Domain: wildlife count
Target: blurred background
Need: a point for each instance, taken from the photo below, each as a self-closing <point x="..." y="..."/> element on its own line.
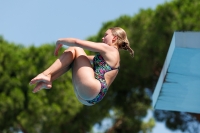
<point x="28" y="32"/>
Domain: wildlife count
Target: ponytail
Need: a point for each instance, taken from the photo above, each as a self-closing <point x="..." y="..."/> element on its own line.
<point x="122" y="40"/>
<point x="125" y="46"/>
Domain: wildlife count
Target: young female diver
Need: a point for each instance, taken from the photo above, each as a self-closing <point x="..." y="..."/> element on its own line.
<point x="90" y="83"/>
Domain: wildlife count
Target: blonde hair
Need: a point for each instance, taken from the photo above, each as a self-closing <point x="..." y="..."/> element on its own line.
<point x="122" y="40"/>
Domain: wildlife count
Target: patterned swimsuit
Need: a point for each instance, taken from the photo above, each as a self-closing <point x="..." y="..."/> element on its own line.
<point x="100" y="68"/>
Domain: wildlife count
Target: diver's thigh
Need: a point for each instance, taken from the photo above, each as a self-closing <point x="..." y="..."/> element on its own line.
<point x="81" y="65"/>
<point x="83" y="77"/>
<point x="81" y="99"/>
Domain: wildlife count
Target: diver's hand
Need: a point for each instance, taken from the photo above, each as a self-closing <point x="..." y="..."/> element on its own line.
<point x="58" y="46"/>
<point x="42" y="85"/>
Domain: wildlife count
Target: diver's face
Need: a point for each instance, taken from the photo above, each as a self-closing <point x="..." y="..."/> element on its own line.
<point x="108" y="37"/>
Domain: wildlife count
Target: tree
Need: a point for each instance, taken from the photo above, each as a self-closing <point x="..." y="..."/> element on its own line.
<point x="20" y="109"/>
<point x="129" y="97"/>
<point x="150" y="33"/>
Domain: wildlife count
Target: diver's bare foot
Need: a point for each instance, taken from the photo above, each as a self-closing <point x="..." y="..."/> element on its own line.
<point x="42" y="85"/>
<point x="41" y="78"/>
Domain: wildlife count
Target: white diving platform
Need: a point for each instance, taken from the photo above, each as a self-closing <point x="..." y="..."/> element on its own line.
<point x="178" y="87"/>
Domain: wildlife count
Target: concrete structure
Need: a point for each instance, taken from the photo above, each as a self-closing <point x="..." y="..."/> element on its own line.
<point x="178" y="87"/>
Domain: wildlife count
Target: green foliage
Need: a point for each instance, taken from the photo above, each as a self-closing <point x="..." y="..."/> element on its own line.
<point x="58" y="110"/>
<point x="46" y="111"/>
<point x="150" y="33"/>
<point x="147" y="126"/>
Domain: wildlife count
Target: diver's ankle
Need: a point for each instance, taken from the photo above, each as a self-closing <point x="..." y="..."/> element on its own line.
<point x="47" y="73"/>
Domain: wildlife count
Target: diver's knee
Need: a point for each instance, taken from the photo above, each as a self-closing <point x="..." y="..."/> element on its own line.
<point x="70" y="49"/>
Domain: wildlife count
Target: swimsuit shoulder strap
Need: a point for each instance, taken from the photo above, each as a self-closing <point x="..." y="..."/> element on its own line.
<point x="99" y="55"/>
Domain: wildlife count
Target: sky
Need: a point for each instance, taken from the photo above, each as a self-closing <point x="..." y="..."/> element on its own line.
<point x="43" y="21"/>
<point x="38" y="22"/>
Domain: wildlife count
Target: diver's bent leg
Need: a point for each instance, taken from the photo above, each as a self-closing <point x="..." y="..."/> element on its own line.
<point x="87" y="87"/>
<point x="48" y="85"/>
<point x="63" y="62"/>
<point x="59" y="73"/>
